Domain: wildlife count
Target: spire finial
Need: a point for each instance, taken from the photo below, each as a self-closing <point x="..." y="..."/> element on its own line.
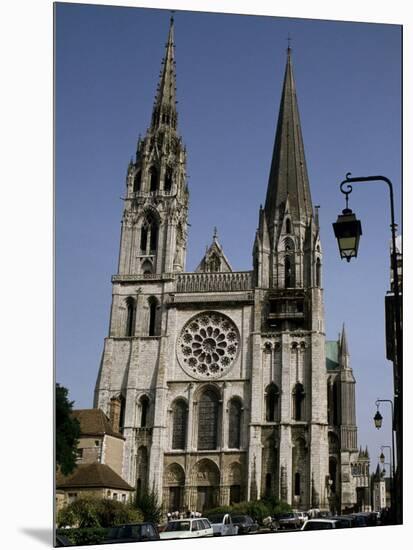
<point x="172" y="17"/>
<point x="215" y="235"/>
<point x="289" y="43"/>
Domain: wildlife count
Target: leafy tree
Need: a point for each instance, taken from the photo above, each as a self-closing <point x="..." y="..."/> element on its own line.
<point x="93" y="512"/>
<point x="67" y="432"/>
<point x="148" y="503"/>
<point x="276" y="506"/>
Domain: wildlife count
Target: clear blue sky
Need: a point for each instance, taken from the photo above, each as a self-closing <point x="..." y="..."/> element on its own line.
<point x="229" y="76"/>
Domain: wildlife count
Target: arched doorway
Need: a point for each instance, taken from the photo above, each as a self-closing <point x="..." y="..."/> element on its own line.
<point x="174" y="481"/>
<point x="206" y="478"/>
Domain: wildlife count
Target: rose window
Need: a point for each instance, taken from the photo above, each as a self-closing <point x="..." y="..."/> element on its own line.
<point x="208" y="345"/>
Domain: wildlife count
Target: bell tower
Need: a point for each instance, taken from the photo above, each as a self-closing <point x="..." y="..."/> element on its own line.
<point x="289" y="320"/>
<point x="154" y="224"/>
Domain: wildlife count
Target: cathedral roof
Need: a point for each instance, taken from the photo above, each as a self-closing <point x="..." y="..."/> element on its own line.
<point x="94" y="475"/>
<point x="288" y="175"/>
<point x="94" y="422"/>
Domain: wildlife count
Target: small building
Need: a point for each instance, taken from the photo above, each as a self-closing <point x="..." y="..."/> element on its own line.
<point x="99" y="460"/>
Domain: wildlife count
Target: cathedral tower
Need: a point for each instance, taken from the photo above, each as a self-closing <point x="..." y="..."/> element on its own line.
<point x="289" y="322"/>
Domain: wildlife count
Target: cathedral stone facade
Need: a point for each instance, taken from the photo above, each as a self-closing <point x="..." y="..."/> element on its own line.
<point x="218" y="379"/>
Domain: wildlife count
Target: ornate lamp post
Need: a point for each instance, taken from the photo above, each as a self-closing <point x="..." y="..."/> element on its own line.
<point x="347" y="230"/>
<point x="378" y="421"/>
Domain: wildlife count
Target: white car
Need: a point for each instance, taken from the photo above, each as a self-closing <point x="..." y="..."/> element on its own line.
<point x="187" y="528"/>
<point x="319" y="523"/>
<point x="222" y="525"/>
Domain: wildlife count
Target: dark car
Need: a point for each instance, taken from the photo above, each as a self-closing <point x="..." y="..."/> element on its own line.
<point x="343" y="522"/>
<point x="62" y="540"/>
<point x="359" y="520"/>
<point x="132" y="532"/>
<point x="245" y="524"/>
<point x="289" y="520"/>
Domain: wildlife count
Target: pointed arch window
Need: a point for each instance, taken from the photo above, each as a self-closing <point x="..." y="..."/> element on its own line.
<point x="288" y="226"/>
<point x="272" y="403"/>
<point x="318" y="273"/>
<point x="130" y="317"/>
<point x="214" y="263"/>
<point x="234" y="431"/>
<point x="288" y="272"/>
<point x="137" y="181"/>
<point x="144" y="406"/>
<point x="153" y="179"/>
<point x="335" y="403"/>
<point x="168" y="181"/>
<point x="208" y="410"/>
<point x="179" y="424"/>
<point x="268" y="485"/>
<point x="153" y="309"/>
<point x="297" y="484"/>
<point x="149" y="235"/>
<point x="298" y="398"/>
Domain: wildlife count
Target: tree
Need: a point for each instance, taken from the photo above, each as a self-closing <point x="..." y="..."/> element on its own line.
<point x="148" y="503"/>
<point x="67" y="432"/>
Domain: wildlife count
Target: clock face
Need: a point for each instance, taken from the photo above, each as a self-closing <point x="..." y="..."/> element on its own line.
<point x="208" y="345"/>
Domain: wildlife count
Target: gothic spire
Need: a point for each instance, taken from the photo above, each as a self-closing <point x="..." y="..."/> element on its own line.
<point x="288" y="175"/>
<point x="343" y="343"/>
<point x="164" y="110"/>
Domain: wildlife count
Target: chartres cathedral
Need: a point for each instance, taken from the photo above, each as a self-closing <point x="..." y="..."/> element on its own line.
<point x="222" y="381"/>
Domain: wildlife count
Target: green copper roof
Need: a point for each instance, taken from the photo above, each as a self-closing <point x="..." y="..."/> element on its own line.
<point x="332" y="355"/>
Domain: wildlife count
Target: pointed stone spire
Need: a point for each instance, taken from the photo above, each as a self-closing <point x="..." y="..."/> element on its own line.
<point x="288" y="175"/>
<point x="164" y="110"/>
<point x="343" y="343"/>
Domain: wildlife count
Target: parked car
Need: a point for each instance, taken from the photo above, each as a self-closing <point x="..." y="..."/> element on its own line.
<point x="302" y="516"/>
<point x="245" y="524"/>
<point x="359" y="520"/>
<point x="319" y="523"/>
<point x="343" y="522"/>
<point x="187" y="528"/>
<point x="222" y="525"/>
<point x="61" y="541"/>
<point x="133" y="532"/>
<point x="288" y="520"/>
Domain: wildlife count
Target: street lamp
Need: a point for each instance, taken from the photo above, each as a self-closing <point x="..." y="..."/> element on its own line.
<point x="378" y="421"/>
<point x="347" y="230"/>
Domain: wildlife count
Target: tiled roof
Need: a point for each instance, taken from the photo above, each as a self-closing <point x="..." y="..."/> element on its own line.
<point x="95" y="422"/>
<point x="98" y="476"/>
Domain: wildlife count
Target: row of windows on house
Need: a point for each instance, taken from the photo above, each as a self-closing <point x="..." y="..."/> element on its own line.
<point x="154" y="180"/>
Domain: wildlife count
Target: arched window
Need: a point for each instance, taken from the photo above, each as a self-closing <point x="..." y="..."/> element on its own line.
<point x="298" y="397"/>
<point x="179" y="421"/>
<point x="137" y="182"/>
<point x="271" y="404"/>
<point x="297" y="484"/>
<point x="335" y="404"/>
<point x="149" y="235"/>
<point x="168" y="181"/>
<point x="288" y="226"/>
<point x="214" y="263"/>
<point x="153" y="179"/>
<point x="144" y="405"/>
<point x="268" y="485"/>
<point x="130" y="317"/>
<point x="318" y="273"/>
<point x="288" y="272"/>
<point x="234" y="435"/>
<point x="208" y="409"/>
<point x="153" y="307"/>
<point x="144" y="238"/>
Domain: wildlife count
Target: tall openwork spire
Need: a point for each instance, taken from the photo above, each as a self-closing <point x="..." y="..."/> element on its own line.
<point x="164" y="110"/>
<point x="288" y="175"/>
